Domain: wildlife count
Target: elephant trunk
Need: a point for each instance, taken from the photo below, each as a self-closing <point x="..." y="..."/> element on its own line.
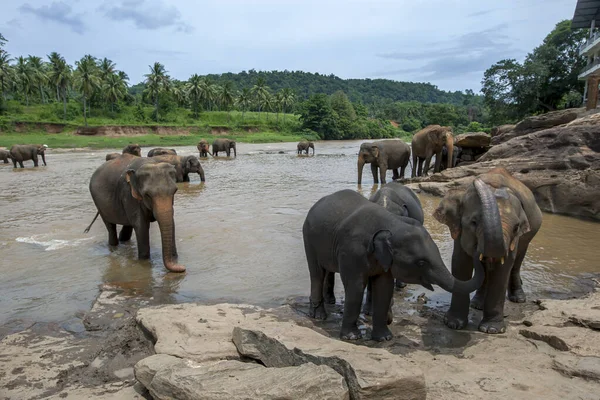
<point x="234" y="151"/>
<point x="450" y="147"/>
<point x="201" y="173"/>
<point x="444" y="279"/>
<point x="492" y="244"/>
<point x="361" y="164"/>
<point x="163" y="212"/>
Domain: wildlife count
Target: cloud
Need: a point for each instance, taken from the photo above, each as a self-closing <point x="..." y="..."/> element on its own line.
<point x="147" y="14"/>
<point x="480" y="13"/>
<point x="58" y="12"/>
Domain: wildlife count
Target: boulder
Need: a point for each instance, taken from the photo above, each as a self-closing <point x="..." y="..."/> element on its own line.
<point x="472" y="139"/>
<point x="499" y="130"/>
<point x="583" y="367"/>
<point x="548" y="120"/>
<point x="148" y="367"/>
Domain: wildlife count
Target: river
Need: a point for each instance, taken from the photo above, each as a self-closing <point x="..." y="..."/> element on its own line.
<point x="239" y="234"/>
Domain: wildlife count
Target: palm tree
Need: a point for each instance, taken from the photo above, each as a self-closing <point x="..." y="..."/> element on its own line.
<point x="114" y="89"/>
<point x="124" y="77"/>
<point x="243" y="100"/>
<point x="54" y="59"/>
<point x="193" y="88"/>
<point x="24" y="77"/>
<point x="39" y="74"/>
<point x="6" y="72"/>
<point x="260" y="91"/>
<point x="157" y="82"/>
<point x="86" y="80"/>
<point x="266" y="103"/>
<point x="288" y="98"/>
<point x="107" y="69"/>
<point x="60" y="76"/>
<point x="207" y="92"/>
<point x="179" y="94"/>
<point x="226" y="97"/>
<point x="278" y="103"/>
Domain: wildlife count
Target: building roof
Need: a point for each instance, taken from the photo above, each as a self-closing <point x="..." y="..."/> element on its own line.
<point x="585" y="12"/>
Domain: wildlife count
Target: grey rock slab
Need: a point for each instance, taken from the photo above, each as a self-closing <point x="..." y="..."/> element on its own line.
<point x="583" y="367"/>
<point x="146" y="369"/>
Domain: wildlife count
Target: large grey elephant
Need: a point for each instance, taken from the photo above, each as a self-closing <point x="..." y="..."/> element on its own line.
<point x="346" y="233"/>
<point x="428" y="142"/>
<point x="304" y="145"/>
<point x="224" y="145"/>
<point x="184" y="166"/>
<point x="493" y="220"/>
<point x="5" y="156"/>
<point x="24" y="152"/>
<point x="161" y="151"/>
<point x="384" y="155"/>
<point x="133" y="192"/>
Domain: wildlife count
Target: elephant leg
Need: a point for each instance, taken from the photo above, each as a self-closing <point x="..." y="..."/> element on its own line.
<point x="382" y="172"/>
<point x="415" y="159"/>
<point x="354" y="288"/>
<point x="426" y="167"/>
<point x="420" y="168"/>
<point x="402" y="172"/>
<point x="478" y="300"/>
<point x="142" y="234"/>
<point x="328" y="294"/>
<point x="383" y="287"/>
<point x="515" y="284"/>
<point x="495" y="295"/>
<point x="21" y="164"/>
<point x="395" y="174"/>
<point x="368" y="306"/>
<point x="125" y="234"/>
<point x="457" y="316"/>
<point x="438" y="162"/>
<point x="317" y="277"/>
<point x="113" y="240"/>
<point x="14" y="163"/>
<point x="35" y="160"/>
<point x="374" y="171"/>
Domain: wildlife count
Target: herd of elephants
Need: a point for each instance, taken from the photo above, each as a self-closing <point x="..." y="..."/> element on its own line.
<point x="377" y="243"/>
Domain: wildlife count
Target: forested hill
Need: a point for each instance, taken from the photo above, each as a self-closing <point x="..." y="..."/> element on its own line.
<point x="367" y="91"/>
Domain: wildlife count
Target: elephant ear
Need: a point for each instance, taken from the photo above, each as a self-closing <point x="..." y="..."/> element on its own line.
<point x="188" y="163"/>
<point x="129" y="174"/>
<point x="375" y="151"/>
<point x="524" y="227"/>
<point x="381" y="247"/>
<point x="449" y="212"/>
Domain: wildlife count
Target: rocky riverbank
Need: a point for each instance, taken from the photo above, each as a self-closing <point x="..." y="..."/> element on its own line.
<point x="551" y="350"/>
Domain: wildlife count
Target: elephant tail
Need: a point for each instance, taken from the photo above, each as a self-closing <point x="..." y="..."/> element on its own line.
<point x="90" y="225"/>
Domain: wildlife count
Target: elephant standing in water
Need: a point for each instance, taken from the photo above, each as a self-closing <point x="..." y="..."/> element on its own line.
<point x="346" y="233"/>
<point x="428" y="142"/>
<point x="493" y="220"/>
<point x="133" y="149"/>
<point x="133" y="192"/>
<point x="184" y="166"/>
<point x="203" y="148"/>
<point x="304" y="145"/>
<point x="384" y="154"/>
<point x="160" y="151"/>
<point x="5" y="156"/>
<point x="224" y="145"/>
<point x="24" y="152"/>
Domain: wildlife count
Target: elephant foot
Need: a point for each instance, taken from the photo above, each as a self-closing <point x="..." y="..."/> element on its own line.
<point x="399" y="284"/>
<point x="317" y="310"/>
<point x="492" y="327"/>
<point x="516" y="295"/>
<point x="453" y="322"/>
<point x="477" y="301"/>
<point x="382" y="335"/>
<point x="329" y="298"/>
<point x="350" y="334"/>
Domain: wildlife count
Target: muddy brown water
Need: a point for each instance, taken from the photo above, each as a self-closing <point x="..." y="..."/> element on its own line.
<point x="239" y="234"/>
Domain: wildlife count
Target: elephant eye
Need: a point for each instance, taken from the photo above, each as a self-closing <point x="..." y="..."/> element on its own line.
<point x="516" y="229"/>
<point x="421" y="263"/>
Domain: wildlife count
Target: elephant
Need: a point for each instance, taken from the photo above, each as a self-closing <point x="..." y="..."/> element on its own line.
<point x="112" y="156"/>
<point x="133" y="192"/>
<point x="224" y="145"/>
<point x="5" y="156"/>
<point x="184" y="166"/>
<point x="203" y="148"/>
<point x="160" y="151"/>
<point x="134" y="149"/>
<point x="24" y="152"/>
<point x="304" y="145"/>
<point x="384" y="154"/>
<point x="493" y="220"/>
<point x="346" y="233"/>
<point x="429" y="142"/>
<point x="457" y="151"/>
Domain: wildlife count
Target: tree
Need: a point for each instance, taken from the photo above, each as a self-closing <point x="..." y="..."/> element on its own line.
<point x="157" y="82"/>
<point x="38" y="71"/>
<point x="226" y="97"/>
<point x="60" y="77"/>
<point x="260" y="91"/>
<point x="6" y="71"/>
<point x="106" y="69"/>
<point x="244" y="100"/>
<point x="114" y="89"/>
<point x="194" y="92"/>
<point x="86" y="80"/>
<point x="288" y="99"/>
<point x="317" y="115"/>
<point x="24" y="77"/>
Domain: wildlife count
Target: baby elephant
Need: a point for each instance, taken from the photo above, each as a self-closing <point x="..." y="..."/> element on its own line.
<point x="24" y="152"/>
<point x="346" y="233"/>
<point x="160" y="151"/>
<point x="133" y="149"/>
<point x="184" y="166"/>
<point x="304" y="145"/>
<point x="5" y="156"/>
<point x="203" y="148"/>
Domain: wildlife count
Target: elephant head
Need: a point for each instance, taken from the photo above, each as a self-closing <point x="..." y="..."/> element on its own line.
<point x="153" y="184"/>
<point x="191" y="165"/>
<point x="419" y="260"/>
<point x="203" y="146"/>
<point x="232" y="146"/>
<point x="488" y="221"/>
<point x="41" y="149"/>
<point x="368" y="153"/>
<point x="134" y="149"/>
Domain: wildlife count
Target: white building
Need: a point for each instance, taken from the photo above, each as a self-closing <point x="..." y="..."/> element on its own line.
<point x="587" y="15"/>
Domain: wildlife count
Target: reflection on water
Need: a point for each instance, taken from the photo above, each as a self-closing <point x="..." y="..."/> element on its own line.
<point x="239" y="234"/>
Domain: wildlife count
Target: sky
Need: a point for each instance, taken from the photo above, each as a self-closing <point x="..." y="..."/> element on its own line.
<point x="448" y="43"/>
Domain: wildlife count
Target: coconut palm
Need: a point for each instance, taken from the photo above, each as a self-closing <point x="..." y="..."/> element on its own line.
<point x="207" y="92"/>
<point x="193" y="88"/>
<point x="86" y="80"/>
<point x="24" y="77"/>
<point x="124" y="77"/>
<point x="6" y="72"/>
<point x="266" y="103"/>
<point x="54" y="60"/>
<point x="288" y="98"/>
<point x="114" y="89"/>
<point x="157" y="82"/>
<point x="106" y="69"/>
<point x="226" y="97"/>
<point x="60" y="76"/>
<point x="278" y="103"/>
<point x="260" y="92"/>
<point x="39" y="74"/>
<point x="244" y="100"/>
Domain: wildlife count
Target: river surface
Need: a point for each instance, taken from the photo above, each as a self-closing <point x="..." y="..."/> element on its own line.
<point x="239" y="234"/>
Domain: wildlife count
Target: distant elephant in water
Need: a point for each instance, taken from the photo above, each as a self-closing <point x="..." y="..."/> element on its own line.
<point x="134" y="149"/>
<point x="24" y="152"/>
<point x="429" y="142"/>
<point x="133" y="192"/>
<point x="184" y="166"/>
<point x="384" y="155"/>
<point x="304" y="145"/>
<point x="203" y="148"/>
<point x="160" y="151"/>
<point x="112" y="156"/>
<point x="224" y="145"/>
<point x="5" y="156"/>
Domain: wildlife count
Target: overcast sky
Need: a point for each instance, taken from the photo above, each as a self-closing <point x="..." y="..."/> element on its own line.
<point x="446" y="42"/>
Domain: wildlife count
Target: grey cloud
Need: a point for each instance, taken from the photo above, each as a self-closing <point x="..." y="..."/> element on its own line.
<point x="149" y="15"/>
<point x="14" y="23"/>
<point x="58" y="12"/>
<point x="480" y="13"/>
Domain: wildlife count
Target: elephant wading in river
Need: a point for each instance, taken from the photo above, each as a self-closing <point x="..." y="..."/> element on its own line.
<point x="493" y="220"/>
<point x="203" y="148"/>
<point x="224" y="145"/>
<point x="160" y="151"/>
<point x="24" y="152"/>
<point x="133" y="192"/>
<point x="384" y="154"/>
<point x="5" y="156"/>
<point x="346" y="233"/>
<point x="429" y="142"/>
<point x="133" y="149"/>
<point x="184" y="166"/>
<point x="304" y="145"/>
